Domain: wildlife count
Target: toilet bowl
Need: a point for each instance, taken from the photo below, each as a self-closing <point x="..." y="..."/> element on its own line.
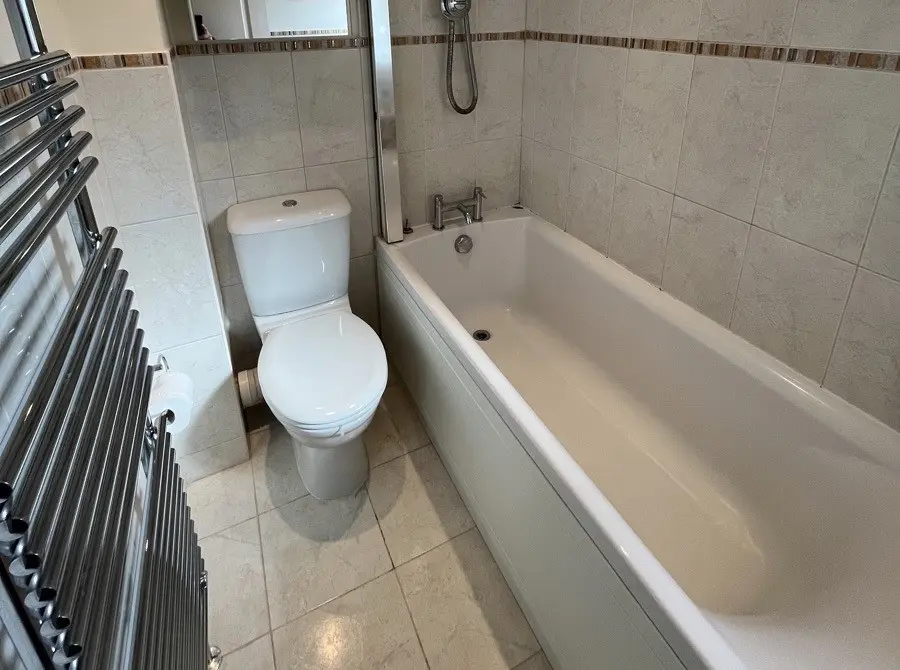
<point x="322" y="370"/>
<point x="323" y="377"/>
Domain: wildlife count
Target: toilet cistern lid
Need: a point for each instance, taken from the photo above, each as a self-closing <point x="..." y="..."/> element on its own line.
<point x="322" y="370"/>
<point x="287" y="212"/>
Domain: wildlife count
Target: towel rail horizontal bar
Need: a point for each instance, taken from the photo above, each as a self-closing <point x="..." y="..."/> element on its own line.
<point x="59" y="460"/>
<point x="23" y="70"/>
<point x="97" y="443"/>
<point x="26" y="245"/>
<point x="30" y="193"/>
<point x="27" y="108"/>
<point x="21" y="154"/>
<point x="55" y="364"/>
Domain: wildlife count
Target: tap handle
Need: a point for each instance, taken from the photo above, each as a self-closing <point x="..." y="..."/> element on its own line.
<point x="479" y="197"/>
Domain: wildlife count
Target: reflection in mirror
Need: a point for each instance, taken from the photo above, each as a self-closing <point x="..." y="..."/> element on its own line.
<point x="258" y="19"/>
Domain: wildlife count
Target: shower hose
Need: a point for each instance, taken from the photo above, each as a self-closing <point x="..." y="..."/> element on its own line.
<point x="473" y="80"/>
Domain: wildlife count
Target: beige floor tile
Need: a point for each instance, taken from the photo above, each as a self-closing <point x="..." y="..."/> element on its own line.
<point x="405" y="417"/>
<point x="417" y="504"/>
<point x="222" y="500"/>
<point x="255" y="656"/>
<point x="463" y="610"/>
<point x="275" y="474"/>
<point x="536" y="662"/>
<point x="366" y="629"/>
<point x="315" y="551"/>
<point x="237" y="596"/>
<point x="382" y="439"/>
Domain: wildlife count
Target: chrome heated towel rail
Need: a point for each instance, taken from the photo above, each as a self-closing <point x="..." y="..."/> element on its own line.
<point x="100" y="562"/>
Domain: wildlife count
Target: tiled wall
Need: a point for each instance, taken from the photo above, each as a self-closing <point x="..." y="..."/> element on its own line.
<point x="144" y="188"/>
<point x="764" y="193"/>
<point x="440" y="150"/>
<point x="268" y="124"/>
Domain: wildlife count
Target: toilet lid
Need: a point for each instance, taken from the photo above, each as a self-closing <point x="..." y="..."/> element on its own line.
<point x="323" y="370"/>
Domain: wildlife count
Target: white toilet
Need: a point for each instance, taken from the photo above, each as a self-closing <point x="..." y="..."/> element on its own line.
<point x="322" y="370"/>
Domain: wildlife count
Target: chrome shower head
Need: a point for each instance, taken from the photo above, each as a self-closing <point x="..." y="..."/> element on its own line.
<point x="455" y="9"/>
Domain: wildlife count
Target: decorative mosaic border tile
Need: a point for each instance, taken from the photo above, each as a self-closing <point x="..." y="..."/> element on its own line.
<point x="317" y="43"/>
<point x="866" y="60"/>
<point x="117" y="61"/>
<point x="412" y="40"/>
<point x="269" y="46"/>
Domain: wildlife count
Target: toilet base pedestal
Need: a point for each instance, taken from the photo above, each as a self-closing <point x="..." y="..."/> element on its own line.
<point x="333" y="472"/>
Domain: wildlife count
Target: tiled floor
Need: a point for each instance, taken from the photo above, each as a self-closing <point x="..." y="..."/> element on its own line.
<point x="397" y="578"/>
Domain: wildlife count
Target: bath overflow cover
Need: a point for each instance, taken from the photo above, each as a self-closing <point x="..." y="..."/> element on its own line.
<point x="289" y="203"/>
<point x="482" y="335"/>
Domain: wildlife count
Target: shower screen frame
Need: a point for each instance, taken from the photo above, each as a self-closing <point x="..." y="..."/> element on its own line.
<point x="387" y="156"/>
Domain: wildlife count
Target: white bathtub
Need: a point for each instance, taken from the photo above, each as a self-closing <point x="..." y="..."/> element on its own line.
<point x="657" y="491"/>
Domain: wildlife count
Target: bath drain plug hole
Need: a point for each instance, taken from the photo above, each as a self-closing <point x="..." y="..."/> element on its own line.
<point x="482" y="335"/>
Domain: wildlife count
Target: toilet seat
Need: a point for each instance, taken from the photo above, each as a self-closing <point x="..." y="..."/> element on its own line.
<point x="324" y="375"/>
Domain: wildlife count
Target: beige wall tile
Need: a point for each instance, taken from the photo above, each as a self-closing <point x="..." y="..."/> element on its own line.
<point x="872" y="25"/>
<point x="591" y="190"/>
<point x="703" y="259"/>
<point x="141" y="143"/>
<point x="599" y="86"/>
<point x="555" y="94"/>
<point x="882" y="250"/>
<point x="174" y="290"/>
<point x="759" y="22"/>
<point x="500" y="78"/>
<point x="789" y="301"/>
<point x="830" y="143"/>
<point x="270" y="184"/>
<point x="409" y="100"/>
<point x="261" y="137"/>
<point x="364" y="290"/>
<point x="669" y="19"/>
<point x="497" y="171"/>
<point x="499" y="15"/>
<point x="217" y="410"/>
<point x="529" y="88"/>
<point x="640" y="225"/>
<point x="330" y="103"/>
<point x="526" y="174"/>
<point x="406" y="17"/>
<point x="200" y="91"/>
<point x="243" y="338"/>
<point x="728" y="121"/>
<point x="550" y="184"/>
<point x="413" y="187"/>
<point x="606" y="17"/>
<point x="560" y="16"/>
<point x="216" y="197"/>
<point x="653" y="110"/>
<point x="864" y="365"/>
